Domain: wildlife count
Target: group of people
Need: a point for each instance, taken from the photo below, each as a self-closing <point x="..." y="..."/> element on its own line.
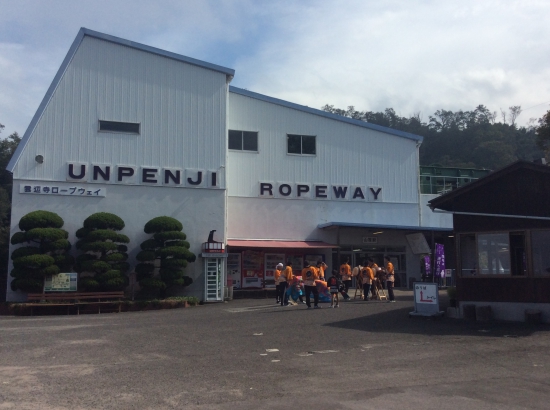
<point x="371" y="277"/>
<point x="291" y="288"/>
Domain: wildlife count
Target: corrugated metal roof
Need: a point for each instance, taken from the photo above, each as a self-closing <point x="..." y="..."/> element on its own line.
<point x="375" y="226"/>
<point x="68" y="58"/>
<point x="325" y="114"/>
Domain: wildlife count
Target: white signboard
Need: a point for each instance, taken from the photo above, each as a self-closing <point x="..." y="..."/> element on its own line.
<point x="418" y="243"/>
<point x="52" y="189"/>
<point x="62" y="282"/>
<point x="426" y="299"/>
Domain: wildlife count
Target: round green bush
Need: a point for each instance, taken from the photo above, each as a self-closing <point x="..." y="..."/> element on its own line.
<point x="82" y="232"/>
<point x="99" y="246"/>
<point x="169" y="236"/>
<point x="152" y="284"/>
<point x="104" y="220"/>
<point x="174" y="252"/>
<point x="46" y="234"/>
<point x="33" y="261"/>
<point x="25" y="251"/>
<point x="163" y="224"/>
<point x="64" y="261"/>
<point x="115" y="283"/>
<point x="169" y="275"/>
<point x="84" y="257"/>
<point x="95" y="265"/>
<point x="40" y="219"/>
<point x="145" y="256"/>
<point x="183" y="281"/>
<point x="122" y="266"/>
<point x="144" y="268"/>
<point x="18" y="237"/>
<point x="27" y="284"/>
<point x="59" y="245"/>
<point x="149" y="244"/>
<point x="99" y="235"/>
<point x="143" y="275"/>
<point x="106" y="276"/>
<point x="183" y="244"/>
<point x="173" y="263"/>
<point x="116" y="257"/>
<point x="49" y="270"/>
<point x="88" y="283"/>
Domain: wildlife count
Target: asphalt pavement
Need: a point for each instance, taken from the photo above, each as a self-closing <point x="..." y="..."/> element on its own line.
<point x="253" y="354"/>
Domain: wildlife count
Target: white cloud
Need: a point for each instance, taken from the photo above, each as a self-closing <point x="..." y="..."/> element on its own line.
<point x="412" y="56"/>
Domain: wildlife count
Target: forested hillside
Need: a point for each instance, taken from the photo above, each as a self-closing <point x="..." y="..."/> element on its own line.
<point x="7" y="148"/>
<point x="473" y="139"/>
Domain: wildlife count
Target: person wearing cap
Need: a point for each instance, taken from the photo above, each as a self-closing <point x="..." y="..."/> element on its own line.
<point x="277" y="275"/>
<point x="309" y="275"/>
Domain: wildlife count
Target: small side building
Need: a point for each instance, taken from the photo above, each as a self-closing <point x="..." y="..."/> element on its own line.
<point x="502" y="231"/>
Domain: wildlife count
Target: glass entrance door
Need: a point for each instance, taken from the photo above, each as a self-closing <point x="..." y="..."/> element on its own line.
<point x="214" y="279"/>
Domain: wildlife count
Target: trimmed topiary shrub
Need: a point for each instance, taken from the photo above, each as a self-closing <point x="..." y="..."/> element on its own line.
<point x="103" y="265"/>
<point x="163" y="257"/>
<point x="45" y="253"/>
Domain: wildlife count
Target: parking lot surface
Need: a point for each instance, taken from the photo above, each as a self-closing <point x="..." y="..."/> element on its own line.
<point x="253" y="354"/>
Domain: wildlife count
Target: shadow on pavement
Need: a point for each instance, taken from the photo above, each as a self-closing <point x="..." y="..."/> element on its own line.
<point x="398" y="321"/>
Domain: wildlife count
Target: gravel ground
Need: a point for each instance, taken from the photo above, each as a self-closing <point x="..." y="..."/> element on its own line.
<point x="252" y="354"/>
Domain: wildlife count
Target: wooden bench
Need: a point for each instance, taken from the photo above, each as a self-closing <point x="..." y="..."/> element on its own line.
<point x="77" y="299"/>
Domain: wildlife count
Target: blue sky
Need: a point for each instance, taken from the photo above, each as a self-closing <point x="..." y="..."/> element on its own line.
<point x="413" y="56"/>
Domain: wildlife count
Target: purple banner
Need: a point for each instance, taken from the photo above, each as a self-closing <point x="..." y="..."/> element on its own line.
<point x="439" y="260"/>
<point x="428" y="264"/>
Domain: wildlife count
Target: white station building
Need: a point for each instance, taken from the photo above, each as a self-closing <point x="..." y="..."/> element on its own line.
<point x="142" y="132"/>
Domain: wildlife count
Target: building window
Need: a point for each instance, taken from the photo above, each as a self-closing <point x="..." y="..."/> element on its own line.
<point x="243" y="140"/>
<point x="117" y="126"/>
<point x="468" y="261"/>
<point x="301" y="144"/>
<point x="540" y="244"/>
<point x="493" y="252"/>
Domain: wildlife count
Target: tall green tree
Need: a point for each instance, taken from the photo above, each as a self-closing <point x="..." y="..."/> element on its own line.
<point x="543" y="135"/>
<point x="465" y="139"/>
<point x="103" y="264"/>
<point x="164" y="257"/>
<point x="8" y="146"/>
<point x="44" y="253"/>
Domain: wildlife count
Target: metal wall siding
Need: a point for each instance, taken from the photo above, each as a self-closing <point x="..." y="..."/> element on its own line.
<point x="181" y="108"/>
<point x="346" y="154"/>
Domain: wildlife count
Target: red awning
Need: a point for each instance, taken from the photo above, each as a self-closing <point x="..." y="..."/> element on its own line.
<point x="243" y="243"/>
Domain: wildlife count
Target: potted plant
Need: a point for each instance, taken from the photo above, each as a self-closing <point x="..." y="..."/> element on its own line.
<point x="451" y="292"/>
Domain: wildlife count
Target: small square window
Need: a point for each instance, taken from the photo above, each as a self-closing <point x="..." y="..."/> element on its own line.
<point x="301" y="144"/>
<point x="118" y="126"/>
<point x="243" y="140"/>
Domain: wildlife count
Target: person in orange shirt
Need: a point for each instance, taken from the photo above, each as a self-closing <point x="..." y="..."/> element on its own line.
<point x="309" y="275"/>
<point x="367" y="276"/>
<point x="322" y="267"/>
<point x="390" y="278"/>
<point x="284" y="281"/>
<point x="345" y="274"/>
<point x="376" y="284"/>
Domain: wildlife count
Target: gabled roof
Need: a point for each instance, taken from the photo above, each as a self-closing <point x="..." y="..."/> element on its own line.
<point x="70" y="54"/>
<point x="325" y="114"/>
<point x="447" y="201"/>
